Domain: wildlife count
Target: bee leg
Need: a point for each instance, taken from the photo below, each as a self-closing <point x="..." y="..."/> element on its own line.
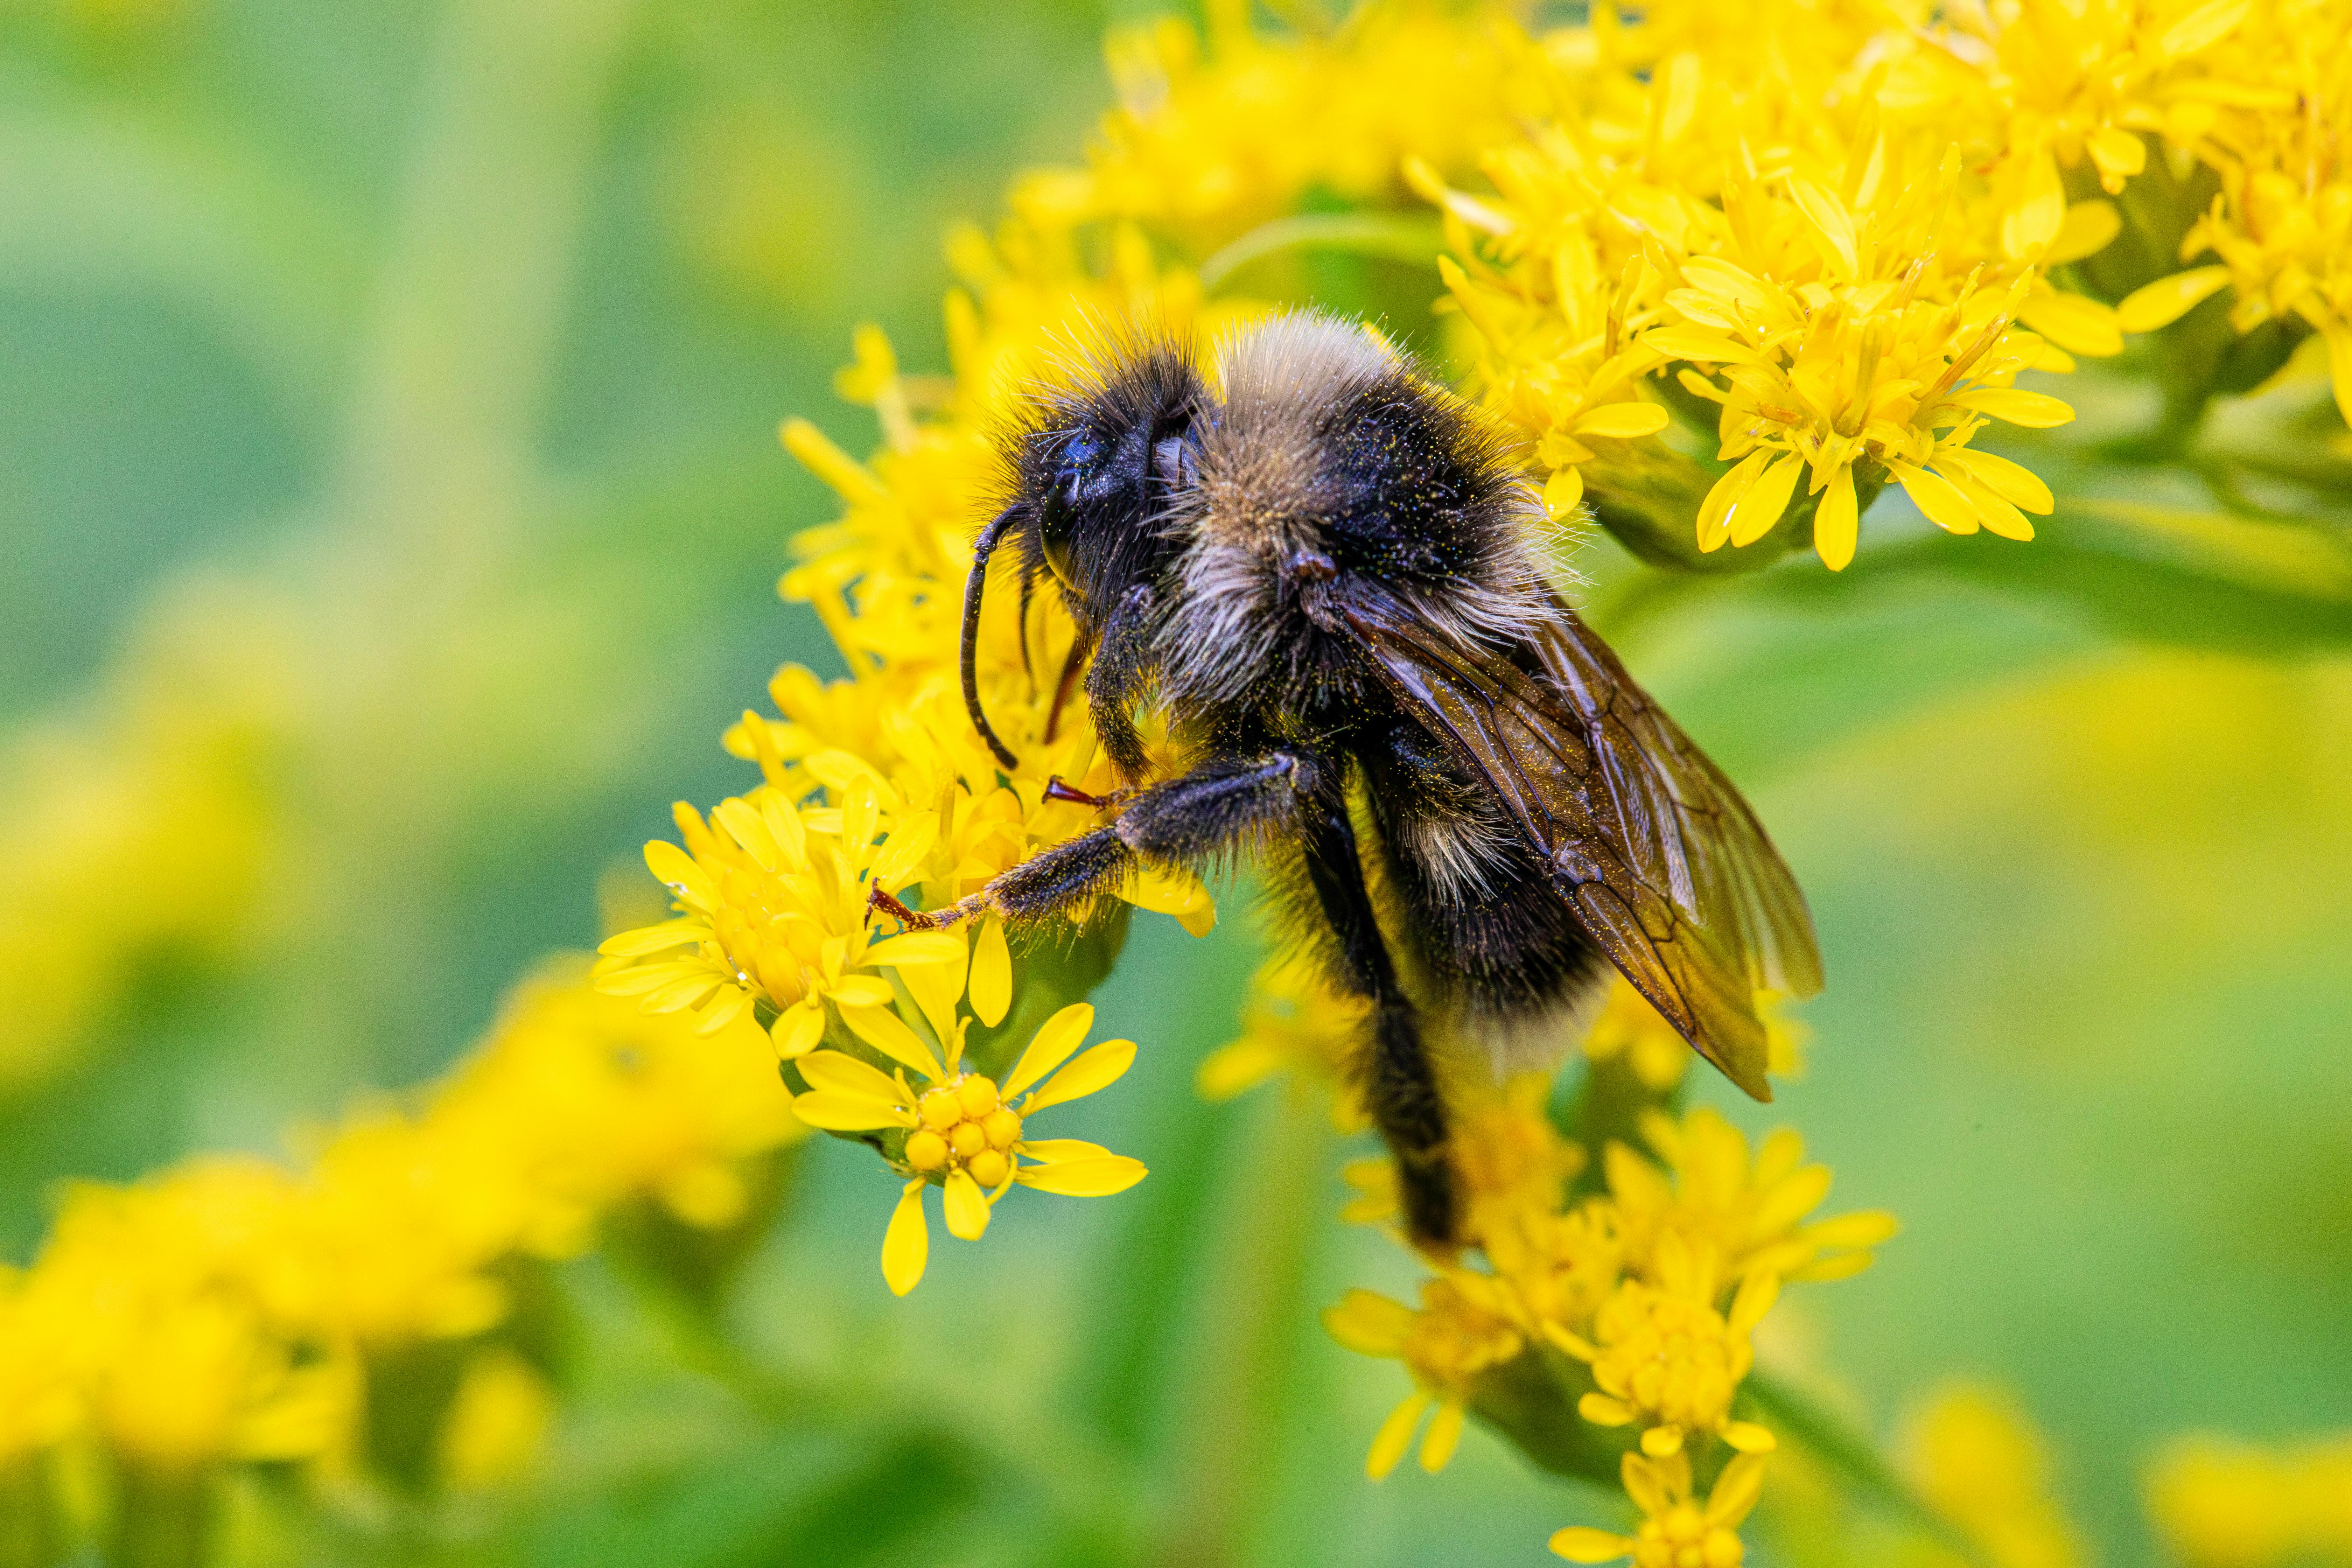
<point x="1399" y="1083"/>
<point x="1185" y="821"/>
<point x="1115" y="679"/>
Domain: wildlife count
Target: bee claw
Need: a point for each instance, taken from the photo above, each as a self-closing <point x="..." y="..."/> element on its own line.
<point x="914" y="920"/>
<point x="1056" y="790"/>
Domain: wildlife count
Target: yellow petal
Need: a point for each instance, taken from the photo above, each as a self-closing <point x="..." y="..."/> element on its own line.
<point x="1714" y="530"/>
<point x="936" y="987"/>
<point x="2019" y="486"/>
<point x="1932" y="494"/>
<point x="1698" y="343"/>
<point x="2165" y="300"/>
<point x="1050" y="1150"/>
<point x="1084" y="1178"/>
<point x="1830" y="220"/>
<point x="2029" y="227"/>
<point x="904" y="849"/>
<point x="2034" y="410"/>
<point x="907" y="1245"/>
<point x="848" y="478"/>
<point x="1098" y="1069"/>
<point x="1659" y="1442"/>
<point x="1578" y="1544"/>
<point x="2072" y="322"/>
<point x="2206" y="24"/>
<point x="1655" y="1485"/>
<point x="1603" y="1411"/>
<point x="748" y="828"/>
<point x="797" y="1029"/>
<point x="1176" y="892"/>
<point x="1996" y="514"/>
<point x="2339" y="365"/>
<point x="1395" y="1434"/>
<point x="2119" y="155"/>
<point x="846" y="1112"/>
<point x="967" y="1206"/>
<point x="2090" y="227"/>
<point x="1836" y="521"/>
<point x="887" y="1032"/>
<point x="1624" y="421"/>
<point x="1753" y="515"/>
<point x="782" y="820"/>
<point x="916" y="947"/>
<point x="1445" y="1437"/>
<point x="862" y="991"/>
<point x="1050" y="1046"/>
<point x="840" y="1073"/>
<point x="1563" y="493"/>
<point x="654" y="938"/>
<point x="1370" y="1323"/>
<point x="992" y="973"/>
<point x="1735" y="1492"/>
<point x="677" y="870"/>
<point x="1749" y="1438"/>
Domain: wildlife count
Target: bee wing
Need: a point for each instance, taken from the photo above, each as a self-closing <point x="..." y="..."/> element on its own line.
<point x="1661" y="860"/>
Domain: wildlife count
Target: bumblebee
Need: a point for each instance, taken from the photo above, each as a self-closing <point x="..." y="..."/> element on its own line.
<point x="1327" y="571"/>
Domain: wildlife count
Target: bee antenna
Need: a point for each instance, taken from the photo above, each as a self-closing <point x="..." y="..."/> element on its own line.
<point x="970" y="656"/>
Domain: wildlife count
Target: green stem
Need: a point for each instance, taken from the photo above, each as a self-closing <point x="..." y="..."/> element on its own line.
<point x="1856" y="1459"/>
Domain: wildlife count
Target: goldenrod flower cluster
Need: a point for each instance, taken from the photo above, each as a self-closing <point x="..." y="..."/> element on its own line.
<point x="1649" y="1283"/>
<point x="236" y="1308"/>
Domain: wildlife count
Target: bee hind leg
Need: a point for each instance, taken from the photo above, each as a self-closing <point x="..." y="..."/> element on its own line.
<point x="1399" y="1083"/>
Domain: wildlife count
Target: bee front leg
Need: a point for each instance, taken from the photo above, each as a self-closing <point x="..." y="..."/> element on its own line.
<point x="1117" y="677"/>
<point x="1219" y="806"/>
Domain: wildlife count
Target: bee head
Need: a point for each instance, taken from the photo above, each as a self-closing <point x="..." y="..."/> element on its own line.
<point x="1093" y="470"/>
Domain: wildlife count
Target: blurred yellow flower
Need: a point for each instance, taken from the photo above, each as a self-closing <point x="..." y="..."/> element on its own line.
<point x="1462" y="1328"/>
<point x="962" y="1131"/>
<point x="1292" y="1021"/>
<point x="1750" y="1210"/>
<point x="2222" y="1503"/>
<point x="1977" y="1460"/>
<point x="1676" y="1530"/>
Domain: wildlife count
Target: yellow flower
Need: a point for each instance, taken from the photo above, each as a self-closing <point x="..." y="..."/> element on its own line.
<point x="961" y="1132"/>
<point x="1675" y="1531"/>
<point x="1748" y="1209"/>
<point x="1629" y="1030"/>
<point x="1292" y="1021"/>
<point x="1977" y="1460"/>
<point x="1204" y="144"/>
<point x="604" y="1103"/>
<point x="185" y="1297"/>
<point x="2224" y="1503"/>
<point x="1561" y="1267"/>
<point x="777" y="914"/>
<point x="1666" y="1360"/>
<point x="1463" y="1329"/>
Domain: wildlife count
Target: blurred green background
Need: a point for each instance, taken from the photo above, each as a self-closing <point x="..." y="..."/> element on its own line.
<point x="443" y="343"/>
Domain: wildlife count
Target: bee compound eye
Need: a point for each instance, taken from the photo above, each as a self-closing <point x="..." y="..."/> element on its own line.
<point x="1054" y="522"/>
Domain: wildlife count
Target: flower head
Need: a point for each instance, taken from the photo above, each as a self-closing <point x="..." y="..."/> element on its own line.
<point x="1462" y="1328"/>
<point x="962" y="1131"/>
<point x="1666" y="1360"/>
<point x="1747" y="1208"/>
<point x="1675" y="1532"/>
